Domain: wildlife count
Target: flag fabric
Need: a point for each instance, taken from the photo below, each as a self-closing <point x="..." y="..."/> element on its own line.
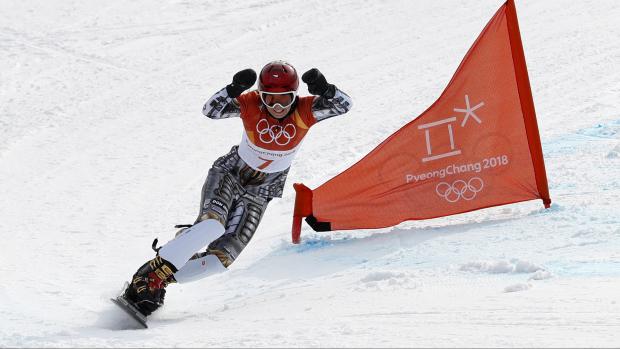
<point x="477" y="146"/>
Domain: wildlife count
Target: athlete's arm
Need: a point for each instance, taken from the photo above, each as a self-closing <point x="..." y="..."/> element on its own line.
<point x="224" y="103"/>
<point x="329" y="100"/>
<point x="221" y="106"/>
<point x="324" y="107"/>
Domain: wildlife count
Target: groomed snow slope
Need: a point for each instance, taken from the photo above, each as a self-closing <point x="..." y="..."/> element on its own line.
<point x="103" y="147"/>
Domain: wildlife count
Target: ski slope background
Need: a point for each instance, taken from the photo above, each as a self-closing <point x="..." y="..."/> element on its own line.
<point x="103" y="147"/>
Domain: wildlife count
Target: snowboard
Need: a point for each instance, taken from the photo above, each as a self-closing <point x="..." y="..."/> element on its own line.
<point x="130" y="309"/>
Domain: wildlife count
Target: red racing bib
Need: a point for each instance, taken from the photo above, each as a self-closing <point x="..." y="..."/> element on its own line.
<point x="268" y="144"/>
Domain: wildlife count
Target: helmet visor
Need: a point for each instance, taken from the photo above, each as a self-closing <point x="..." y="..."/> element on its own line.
<point x="284" y="99"/>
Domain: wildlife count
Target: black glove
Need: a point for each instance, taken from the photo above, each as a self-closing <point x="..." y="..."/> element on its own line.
<point x="317" y="84"/>
<point x="242" y="81"/>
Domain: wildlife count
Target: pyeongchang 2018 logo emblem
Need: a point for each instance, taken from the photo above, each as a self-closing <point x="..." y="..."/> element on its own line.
<point x="275" y="133"/>
<point x="460" y="189"/>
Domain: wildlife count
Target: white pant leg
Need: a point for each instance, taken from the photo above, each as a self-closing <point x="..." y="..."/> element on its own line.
<point x="180" y="249"/>
<point x="196" y="269"/>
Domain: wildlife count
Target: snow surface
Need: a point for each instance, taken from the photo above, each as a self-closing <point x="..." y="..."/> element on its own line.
<point x="103" y="147"/>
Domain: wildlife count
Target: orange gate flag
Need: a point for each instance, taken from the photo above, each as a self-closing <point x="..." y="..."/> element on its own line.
<point x="477" y="146"/>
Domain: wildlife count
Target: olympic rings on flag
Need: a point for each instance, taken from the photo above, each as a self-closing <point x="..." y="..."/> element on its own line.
<point x="460" y="189"/>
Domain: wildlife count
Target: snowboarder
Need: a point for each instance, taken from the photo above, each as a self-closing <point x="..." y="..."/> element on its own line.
<point x="241" y="183"/>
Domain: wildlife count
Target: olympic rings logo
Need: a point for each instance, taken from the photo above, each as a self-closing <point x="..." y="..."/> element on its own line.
<point x="275" y="133"/>
<point x="460" y="189"/>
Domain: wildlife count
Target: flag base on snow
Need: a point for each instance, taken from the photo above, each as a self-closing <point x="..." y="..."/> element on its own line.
<point x="477" y="146"/>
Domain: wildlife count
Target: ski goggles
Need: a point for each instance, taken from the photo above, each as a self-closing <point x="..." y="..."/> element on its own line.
<point x="283" y="99"/>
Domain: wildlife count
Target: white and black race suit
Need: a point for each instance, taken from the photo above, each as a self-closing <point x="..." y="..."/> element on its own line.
<point x="241" y="183"/>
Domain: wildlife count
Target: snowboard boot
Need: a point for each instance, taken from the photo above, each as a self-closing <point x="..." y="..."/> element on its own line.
<point x="148" y="286"/>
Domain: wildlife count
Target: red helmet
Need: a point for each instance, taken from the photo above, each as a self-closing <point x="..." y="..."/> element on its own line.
<point x="278" y="76"/>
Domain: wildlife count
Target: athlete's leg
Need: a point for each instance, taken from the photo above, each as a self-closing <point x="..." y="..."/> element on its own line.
<point x="218" y="194"/>
<point x="200" y="266"/>
<point x="242" y="224"/>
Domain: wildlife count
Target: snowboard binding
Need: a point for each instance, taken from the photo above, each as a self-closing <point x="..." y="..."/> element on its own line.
<point x="147" y="289"/>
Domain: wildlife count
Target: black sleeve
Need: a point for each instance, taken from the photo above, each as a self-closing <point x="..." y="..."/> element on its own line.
<point x="221" y="106"/>
<point x="325" y="108"/>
